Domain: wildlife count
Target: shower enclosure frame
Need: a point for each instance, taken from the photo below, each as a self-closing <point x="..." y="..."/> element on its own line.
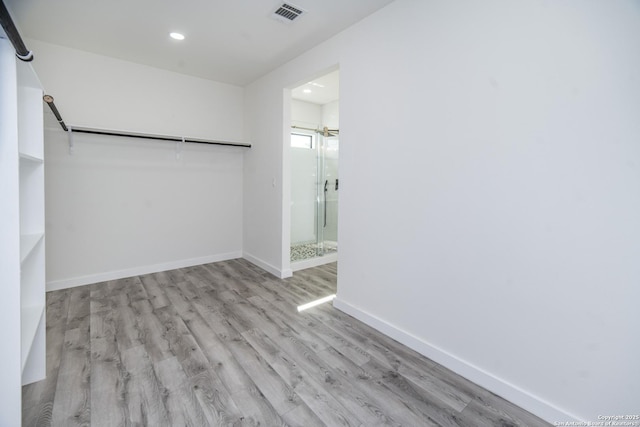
<point x="323" y="186"/>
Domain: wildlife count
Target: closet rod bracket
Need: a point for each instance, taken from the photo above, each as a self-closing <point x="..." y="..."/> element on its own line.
<point x="70" y="134"/>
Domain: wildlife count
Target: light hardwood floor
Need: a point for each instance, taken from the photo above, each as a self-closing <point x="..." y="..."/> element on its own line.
<point x="223" y="344"/>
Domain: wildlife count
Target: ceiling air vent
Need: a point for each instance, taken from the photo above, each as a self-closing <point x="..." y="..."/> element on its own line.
<point x="288" y="12"/>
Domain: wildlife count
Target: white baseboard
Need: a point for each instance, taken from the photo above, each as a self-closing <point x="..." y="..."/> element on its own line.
<point x="280" y="273"/>
<point x="72" y="282"/>
<point x="502" y="388"/>
<point x="314" y="262"/>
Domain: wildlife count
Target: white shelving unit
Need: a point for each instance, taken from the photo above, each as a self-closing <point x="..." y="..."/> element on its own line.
<point x="31" y="176"/>
<point x="22" y="246"/>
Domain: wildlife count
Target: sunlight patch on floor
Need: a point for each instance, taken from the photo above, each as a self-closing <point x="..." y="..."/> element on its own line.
<point x="316" y="302"/>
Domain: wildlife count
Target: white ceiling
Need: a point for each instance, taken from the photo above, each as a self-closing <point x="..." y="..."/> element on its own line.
<point x="233" y="41"/>
<point x="320" y="91"/>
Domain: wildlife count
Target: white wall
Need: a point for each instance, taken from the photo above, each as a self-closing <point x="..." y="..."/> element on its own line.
<point x="331" y="115"/>
<point x="266" y="182"/>
<point x="492" y="146"/>
<point x="97" y="91"/>
<point x="121" y="206"/>
<point x="306" y="114"/>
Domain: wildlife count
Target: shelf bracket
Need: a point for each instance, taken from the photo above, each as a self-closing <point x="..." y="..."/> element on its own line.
<point x="179" y="148"/>
<point x="70" y="134"/>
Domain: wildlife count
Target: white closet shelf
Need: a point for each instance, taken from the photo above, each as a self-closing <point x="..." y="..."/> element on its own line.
<point x="28" y="242"/>
<point x="30" y="317"/>
<point x="29" y="157"/>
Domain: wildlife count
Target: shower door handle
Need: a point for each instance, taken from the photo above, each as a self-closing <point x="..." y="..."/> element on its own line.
<point x="326" y="183"/>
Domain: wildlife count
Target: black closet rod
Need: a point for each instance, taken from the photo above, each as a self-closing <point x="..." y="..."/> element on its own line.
<point x="14" y="36"/>
<point x="49" y="100"/>
<point x="158" y="137"/>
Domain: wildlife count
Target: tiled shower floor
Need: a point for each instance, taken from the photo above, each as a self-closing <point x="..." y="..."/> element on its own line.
<point x="307" y="251"/>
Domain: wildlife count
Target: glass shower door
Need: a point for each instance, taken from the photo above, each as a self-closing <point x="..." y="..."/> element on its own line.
<point x="314" y="187"/>
<point x="321" y="195"/>
<point x="331" y="185"/>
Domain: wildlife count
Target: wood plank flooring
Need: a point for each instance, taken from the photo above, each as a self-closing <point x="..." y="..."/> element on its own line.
<point x="223" y="344"/>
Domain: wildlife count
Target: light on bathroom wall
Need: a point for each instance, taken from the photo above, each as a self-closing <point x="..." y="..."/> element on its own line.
<point x="176" y="36"/>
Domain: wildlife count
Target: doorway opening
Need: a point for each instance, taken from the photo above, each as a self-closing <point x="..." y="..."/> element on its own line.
<point x="315" y="184"/>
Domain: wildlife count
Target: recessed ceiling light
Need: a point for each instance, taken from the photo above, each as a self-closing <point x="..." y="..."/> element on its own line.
<point x="307" y="90"/>
<point x="176" y="36"/>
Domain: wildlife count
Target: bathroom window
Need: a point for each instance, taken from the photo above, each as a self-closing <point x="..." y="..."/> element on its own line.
<point x="301" y="140"/>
